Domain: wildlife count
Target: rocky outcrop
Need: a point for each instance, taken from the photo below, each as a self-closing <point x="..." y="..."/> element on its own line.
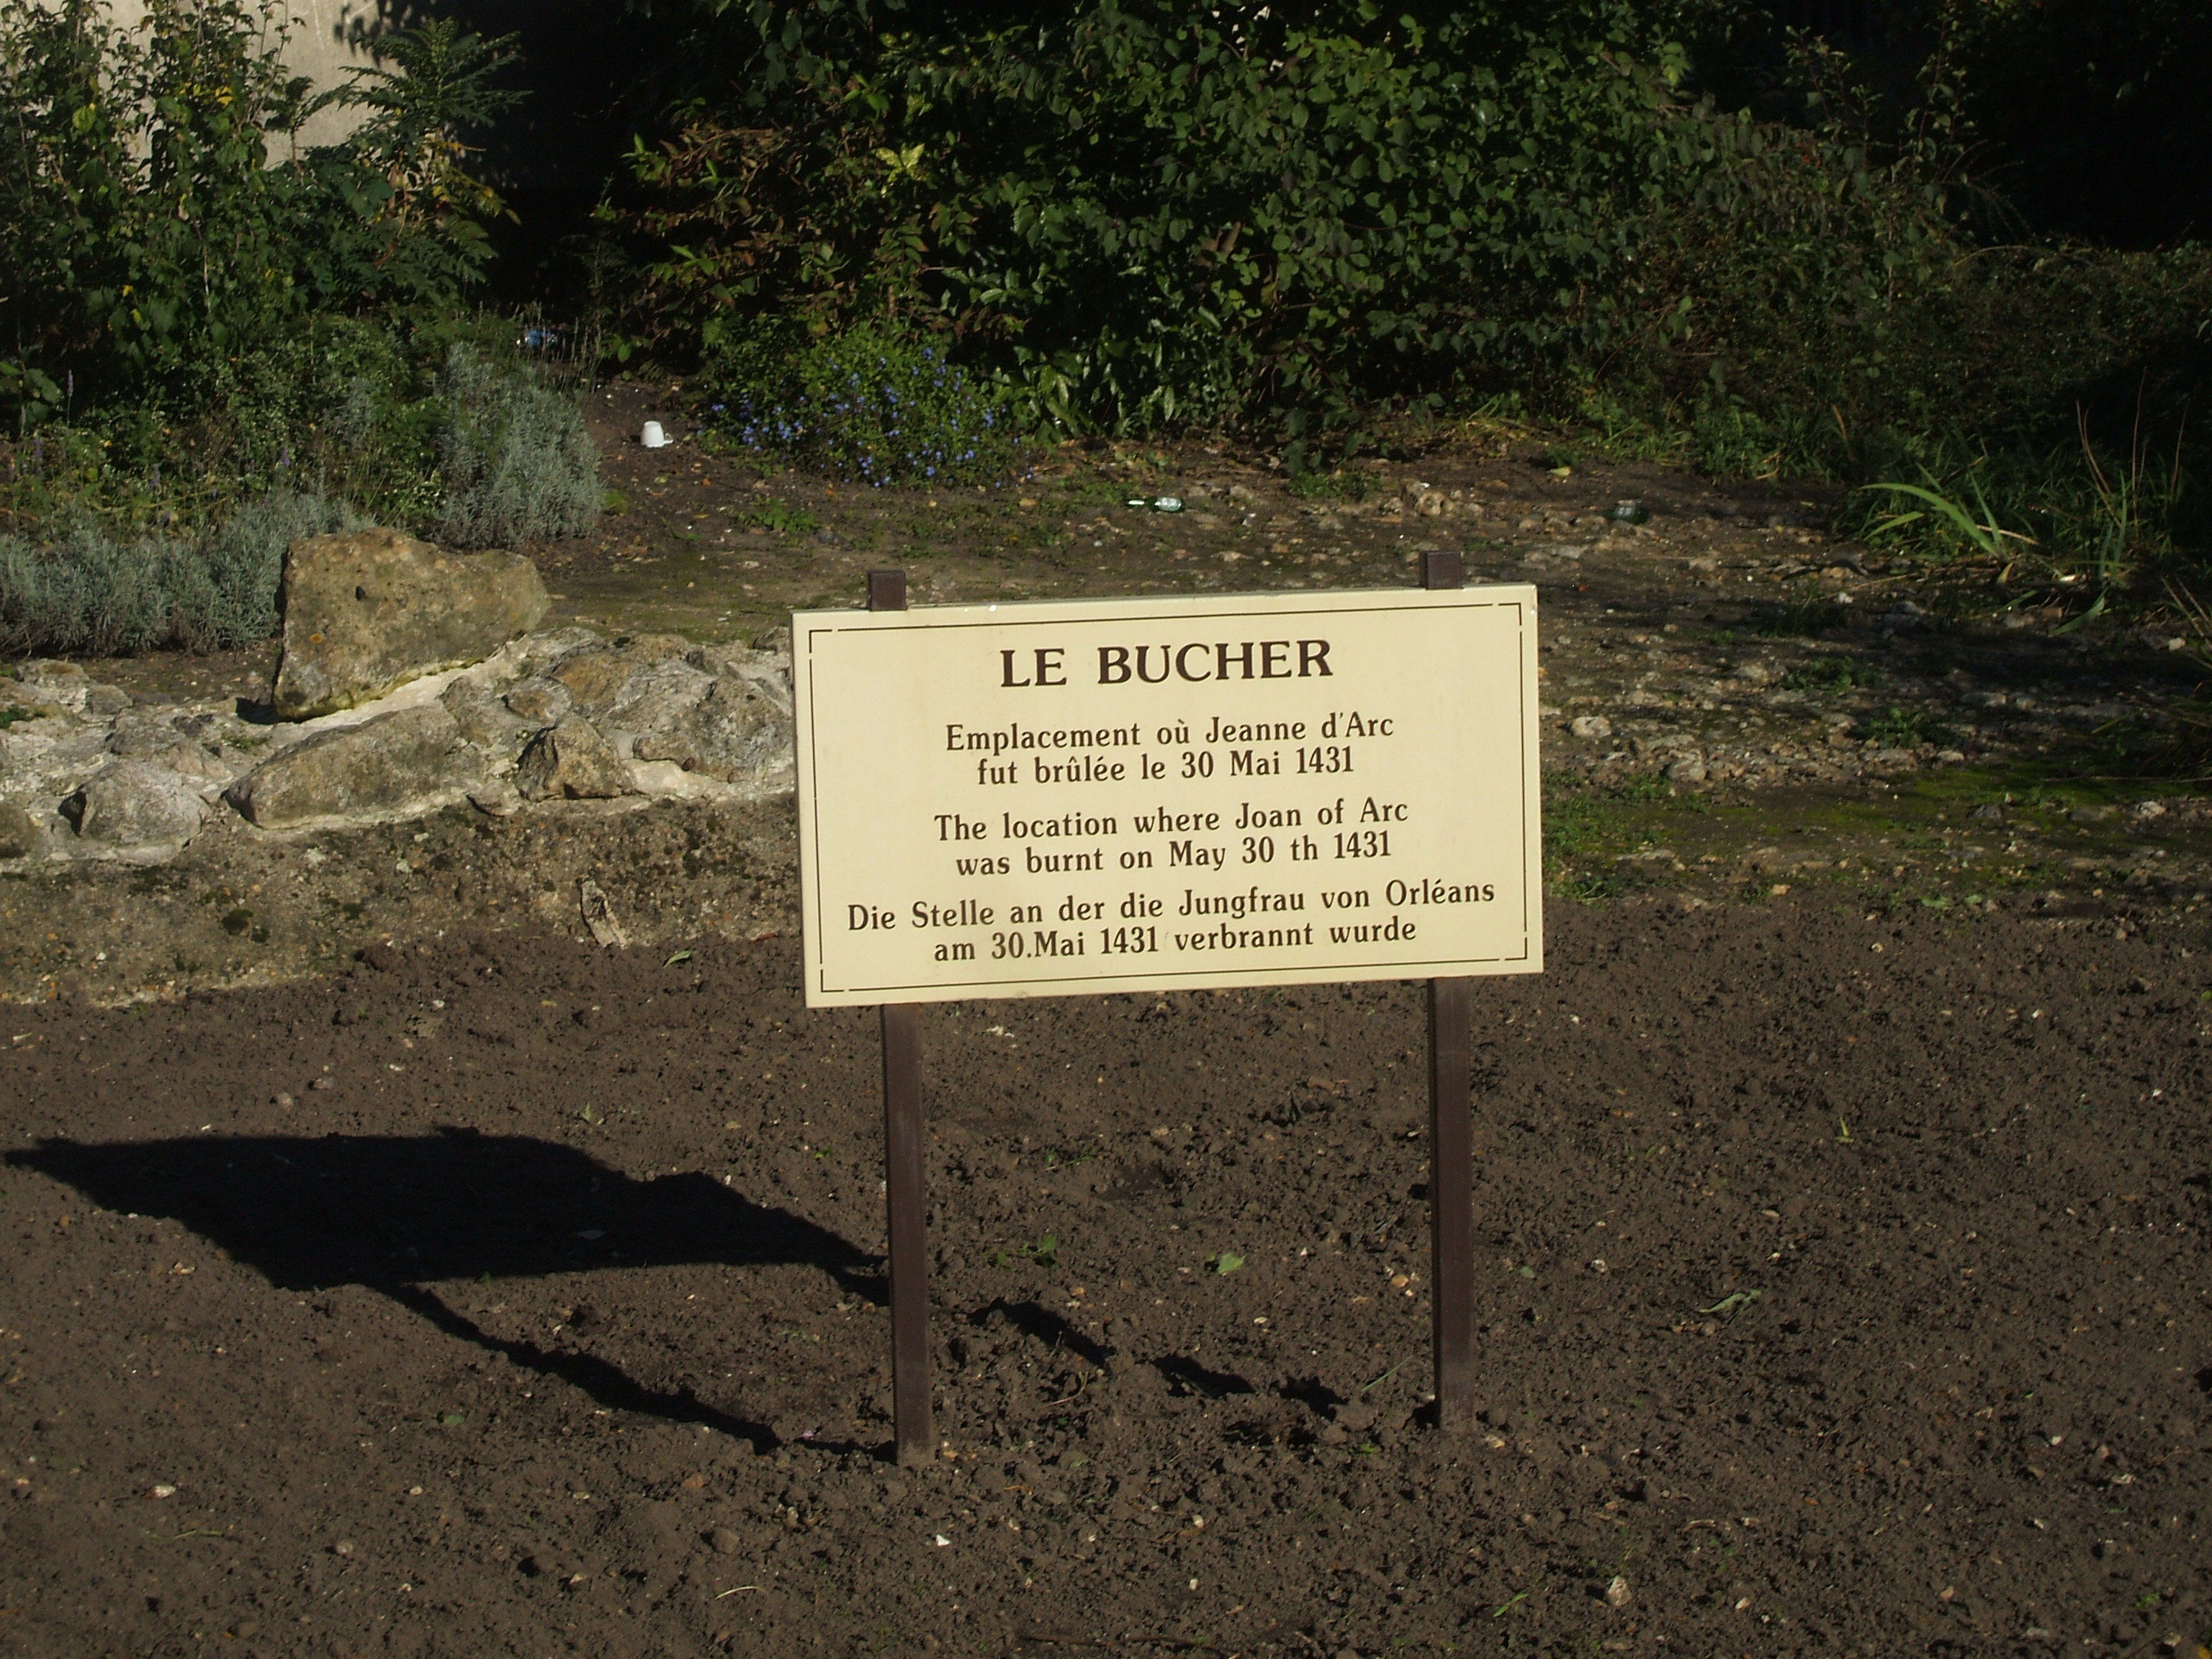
<point x="563" y="716"/>
<point x="368" y="611"/>
<point x="394" y="766"/>
<point x="134" y="804"/>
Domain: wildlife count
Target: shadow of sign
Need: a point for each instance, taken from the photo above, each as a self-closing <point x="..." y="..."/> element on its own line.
<point x="396" y="1215"/>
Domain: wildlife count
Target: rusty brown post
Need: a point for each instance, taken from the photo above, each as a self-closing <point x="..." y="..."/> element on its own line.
<point x="904" y="1196"/>
<point x="1451" y="1157"/>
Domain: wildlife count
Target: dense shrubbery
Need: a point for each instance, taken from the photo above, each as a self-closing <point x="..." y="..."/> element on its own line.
<point x="1138" y="214"/>
<point x="213" y="339"/>
<point x="156" y="218"/>
<point x="889" y="235"/>
<point x="1150" y="214"/>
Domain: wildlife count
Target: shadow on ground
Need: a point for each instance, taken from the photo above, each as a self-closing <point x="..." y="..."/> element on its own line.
<point x="398" y="1214"/>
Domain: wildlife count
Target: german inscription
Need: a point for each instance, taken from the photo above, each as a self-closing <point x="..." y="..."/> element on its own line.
<point x="1050" y="798"/>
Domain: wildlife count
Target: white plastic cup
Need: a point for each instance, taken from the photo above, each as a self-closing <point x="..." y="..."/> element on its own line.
<point x="653" y="437"/>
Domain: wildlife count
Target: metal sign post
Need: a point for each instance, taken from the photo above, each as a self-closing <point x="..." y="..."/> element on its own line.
<point x="903" y="1194"/>
<point x="1451" y="1160"/>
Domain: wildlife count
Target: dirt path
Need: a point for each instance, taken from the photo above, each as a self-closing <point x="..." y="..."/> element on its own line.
<point x="1843" y="1288"/>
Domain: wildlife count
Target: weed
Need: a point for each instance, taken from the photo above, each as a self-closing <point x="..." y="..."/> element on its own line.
<point x="1832" y="674"/>
<point x="1800" y="618"/>
<point x="1042" y="1253"/>
<point x="1945" y="515"/>
<point x="1734" y="1303"/>
<point x="1343" y="483"/>
<point x="1902" y="728"/>
<point x="784" y="519"/>
<point x="1227" y="1262"/>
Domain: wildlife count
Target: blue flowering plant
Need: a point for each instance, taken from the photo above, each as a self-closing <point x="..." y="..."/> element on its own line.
<point x="869" y="404"/>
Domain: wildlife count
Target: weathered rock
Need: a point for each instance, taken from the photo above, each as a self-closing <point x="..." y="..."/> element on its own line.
<point x="597" y="679"/>
<point x="572" y="761"/>
<point x="486" y="721"/>
<point x="46" y="683"/>
<point x="19" y="834"/>
<point x="397" y="765"/>
<point x="164" y="739"/>
<point x="541" y="653"/>
<point x="541" y="702"/>
<point x="368" y="611"/>
<point x="655" y="699"/>
<point x="1592" y="726"/>
<point x="134" y="803"/>
<point x="737" y="733"/>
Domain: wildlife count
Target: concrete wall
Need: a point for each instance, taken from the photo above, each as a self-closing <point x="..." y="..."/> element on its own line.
<point x="324" y="45"/>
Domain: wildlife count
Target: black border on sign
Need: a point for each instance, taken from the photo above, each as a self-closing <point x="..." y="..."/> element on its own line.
<point x="1422" y="969"/>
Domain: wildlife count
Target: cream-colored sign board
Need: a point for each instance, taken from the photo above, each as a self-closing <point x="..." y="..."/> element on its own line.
<point x="1047" y="798"/>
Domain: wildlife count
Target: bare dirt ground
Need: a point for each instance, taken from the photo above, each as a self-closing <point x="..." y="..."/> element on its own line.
<point x="396" y="1273"/>
<point x="1843" y="1289"/>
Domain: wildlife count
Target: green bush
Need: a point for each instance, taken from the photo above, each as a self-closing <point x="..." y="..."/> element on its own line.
<point x="157" y="220"/>
<point x="1137" y="215"/>
<point x="103" y="595"/>
<point x="865" y="404"/>
<point x="514" y="462"/>
<point x="1147" y="213"/>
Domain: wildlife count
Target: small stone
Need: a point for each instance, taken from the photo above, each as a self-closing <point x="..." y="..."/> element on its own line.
<point x="19" y="836"/>
<point x="540" y="702"/>
<point x="1617" y="1594"/>
<point x="344" y="1546"/>
<point x="571" y="760"/>
<point x="496" y="798"/>
<point x="132" y="804"/>
<point x="486" y="721"/>
<point x="1688" y="770"/>
<point x="1592" y="726"/>
<point x="724" y="1541"/>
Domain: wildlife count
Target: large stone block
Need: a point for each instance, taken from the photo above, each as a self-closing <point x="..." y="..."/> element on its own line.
<point x="397" y="765"/>
<point x="370" y="610"/>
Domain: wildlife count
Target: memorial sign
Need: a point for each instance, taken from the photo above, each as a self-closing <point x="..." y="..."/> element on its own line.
<point x="1041" y="799"/>
<point x="1048" y="799"/>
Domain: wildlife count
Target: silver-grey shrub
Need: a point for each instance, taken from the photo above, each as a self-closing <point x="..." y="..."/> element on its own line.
<point x="95" y="594"/>
<point x="514" y="459"/>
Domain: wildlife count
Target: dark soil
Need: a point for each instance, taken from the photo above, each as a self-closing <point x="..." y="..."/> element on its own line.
<point x="1843" y="1289"/>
